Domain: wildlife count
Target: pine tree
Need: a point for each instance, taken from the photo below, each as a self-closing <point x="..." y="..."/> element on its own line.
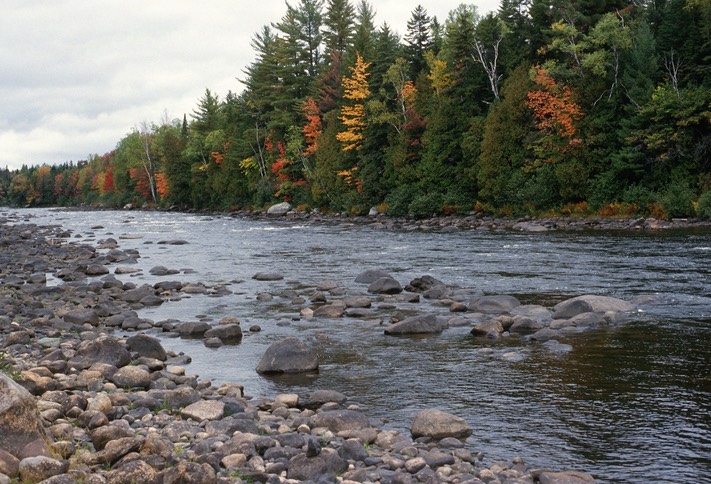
<point x="418" y="40"/>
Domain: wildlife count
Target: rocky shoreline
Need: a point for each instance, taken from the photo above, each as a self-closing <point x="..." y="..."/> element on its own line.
<point x="80" y="404"/>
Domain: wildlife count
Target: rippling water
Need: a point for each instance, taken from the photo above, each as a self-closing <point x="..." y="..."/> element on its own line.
<point x="631" y="404"/>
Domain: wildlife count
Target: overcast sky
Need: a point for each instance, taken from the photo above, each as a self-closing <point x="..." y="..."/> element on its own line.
<point x="77" y="75"/>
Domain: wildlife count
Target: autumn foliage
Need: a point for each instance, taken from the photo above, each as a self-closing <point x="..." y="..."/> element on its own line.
<point x="554" y="108"/>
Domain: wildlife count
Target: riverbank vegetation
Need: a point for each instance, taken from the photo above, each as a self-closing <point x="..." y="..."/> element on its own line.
<point x="544" y="106"/>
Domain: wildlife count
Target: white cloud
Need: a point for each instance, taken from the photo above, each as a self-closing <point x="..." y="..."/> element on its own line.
<point x="77" y="75"/>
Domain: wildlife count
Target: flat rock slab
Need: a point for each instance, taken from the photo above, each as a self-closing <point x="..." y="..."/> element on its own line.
<point x="601" y="304"/>
<point x="204" y="410"/>
<point x="422" y="324"/>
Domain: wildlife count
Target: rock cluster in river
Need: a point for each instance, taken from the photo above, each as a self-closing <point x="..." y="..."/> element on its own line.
<point x="79" y="404"/>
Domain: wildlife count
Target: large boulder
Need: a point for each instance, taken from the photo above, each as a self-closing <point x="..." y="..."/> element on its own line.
<point x="20" y="422"/>
<point x="423" y="284"/>
<point x="489" y="329"/>
<point x="385" y="285"/>
<point x="320" y="468"/>
<point x="279" y="209"/>
<point x="104" y="349"/>
<point x="494" y="304"/>
<point x="289" y="355"/>
<point x="570" y="308"/>
<point x="421" y="324"/>
<point x="599" y="304"/>
<point x="226" y="332"/>
<point x="371" y="275"/>
<point x="82" y="316"/>
<point x="147" y="346"/>
<point x="438" y="425"/>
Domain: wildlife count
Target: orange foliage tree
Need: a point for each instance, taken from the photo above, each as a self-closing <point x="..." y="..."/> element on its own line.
<point x="556" y="114"/>
<point x="313" y="128"/>
<point x="357" y="91"/>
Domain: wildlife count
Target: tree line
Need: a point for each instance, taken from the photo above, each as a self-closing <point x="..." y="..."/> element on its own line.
<point x="544" y="106"/>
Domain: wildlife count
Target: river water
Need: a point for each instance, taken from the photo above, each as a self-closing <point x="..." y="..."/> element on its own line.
<point x="631" y="404"/>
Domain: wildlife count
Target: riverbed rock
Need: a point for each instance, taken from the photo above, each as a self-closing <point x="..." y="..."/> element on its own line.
<point x="289" y="355"/>
<point x="491" y="329"/>
<point x="567" y="477"/>
<point x="421" y="324"/>
<point x="385" y="285"/>
<point x="146" y="346"/>
<point x="279" y="209"/>
<point x="500" y="304"/>
<point x="21" y="426"/>
<point x="268" y="276"/>
<point x="571" y="307"/>
<point x="329" y="311"/>
<point x="598" y="304"/>
<point x="439" y="425"/>
<point x="82" y="316"/>
<point x="423" y="284"/>
<point x="39" y="468"/>
<point x="370" y="276"/>
<point x="132" y="377"/>
<point x="192" y="329"/>
<point x="228" y="333"/>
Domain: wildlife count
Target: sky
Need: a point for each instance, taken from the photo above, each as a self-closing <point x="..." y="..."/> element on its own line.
<point x="76" y="76"/>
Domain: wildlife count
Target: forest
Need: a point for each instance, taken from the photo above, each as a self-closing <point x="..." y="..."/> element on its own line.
<point x="564" y="107"/>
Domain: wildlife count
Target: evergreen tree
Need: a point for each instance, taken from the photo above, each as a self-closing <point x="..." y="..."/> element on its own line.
<point x="418" y="40"/>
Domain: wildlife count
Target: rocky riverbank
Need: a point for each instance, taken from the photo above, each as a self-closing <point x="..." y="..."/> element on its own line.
<point x="79" y="403"/>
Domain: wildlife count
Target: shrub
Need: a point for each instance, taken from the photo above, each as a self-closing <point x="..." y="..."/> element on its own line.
<point x="677" y="200"/>
<point x="399" y="200"/>
<point x="426" y="205"/>
<point x="703" y="206"/>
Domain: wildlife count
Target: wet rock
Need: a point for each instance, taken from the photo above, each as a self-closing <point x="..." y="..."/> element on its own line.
<point x="371" y="275"/>
<point x="600" y="304"/>
<point x="494" y="304"/>
<point x="193" y="329"/>
<point x="268" y="276"/>
<point x="571" y="307"/>
<point x="362" y="302"/>
<point x="569" y="477"/>
<point x="438" y="425"/>
<point x="96" y="270"/>
<point x="21" y="427"/>
<point x="225" y="332"/>
<point x="545" y="334"/>
<point x="385" y="285"/>
<point x="289" y="355"/>
<point x="423" y="284"/>
<point x="491" y="329"/>
<point x="319" y="397"/>
<point x="329" y="311"/>
<point x="524" y="325"/>
<point x="422" y="324"/>
<point x="173" y="242"/>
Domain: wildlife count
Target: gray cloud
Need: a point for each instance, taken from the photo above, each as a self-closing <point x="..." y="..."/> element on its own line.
<point x="77" y="75"/>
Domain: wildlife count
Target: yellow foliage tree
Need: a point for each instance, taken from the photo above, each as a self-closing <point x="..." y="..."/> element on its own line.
<point x="356" y="91"/>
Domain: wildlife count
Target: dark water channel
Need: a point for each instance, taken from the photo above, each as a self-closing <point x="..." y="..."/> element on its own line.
<point x="631" y="404"/>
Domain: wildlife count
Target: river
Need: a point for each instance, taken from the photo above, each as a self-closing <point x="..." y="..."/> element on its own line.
<point x="631" y="404"/>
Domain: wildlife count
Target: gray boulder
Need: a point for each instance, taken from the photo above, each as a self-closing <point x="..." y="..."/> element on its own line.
<point x="39" y="468"/>
<point x="340" y="420"/>
<point x="226" y="332"/>
<point x="289" y="355"/>
<point x="601" y="304"/>
<point x="421" y="324"/>
<point x="423" y="284"/>
<point x="571" y="307"/>
<point x="385" y="285"/>
<point x="489" y="329"/>
<point x="279" y="209"/>
<point x="82" y="316"/>
<point x="146" y="346"/>
<point x="439" y="425"/>
<point x="193" y="329"/>
<point x="494" y="304"/>
<point x="268" y="276"/>
<point x="104" y="349"/>
<point x="132" y="377"/>
<point x="370" y="276"/>
<point x="21" y="426"/>
<point x="321" y="468"/>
